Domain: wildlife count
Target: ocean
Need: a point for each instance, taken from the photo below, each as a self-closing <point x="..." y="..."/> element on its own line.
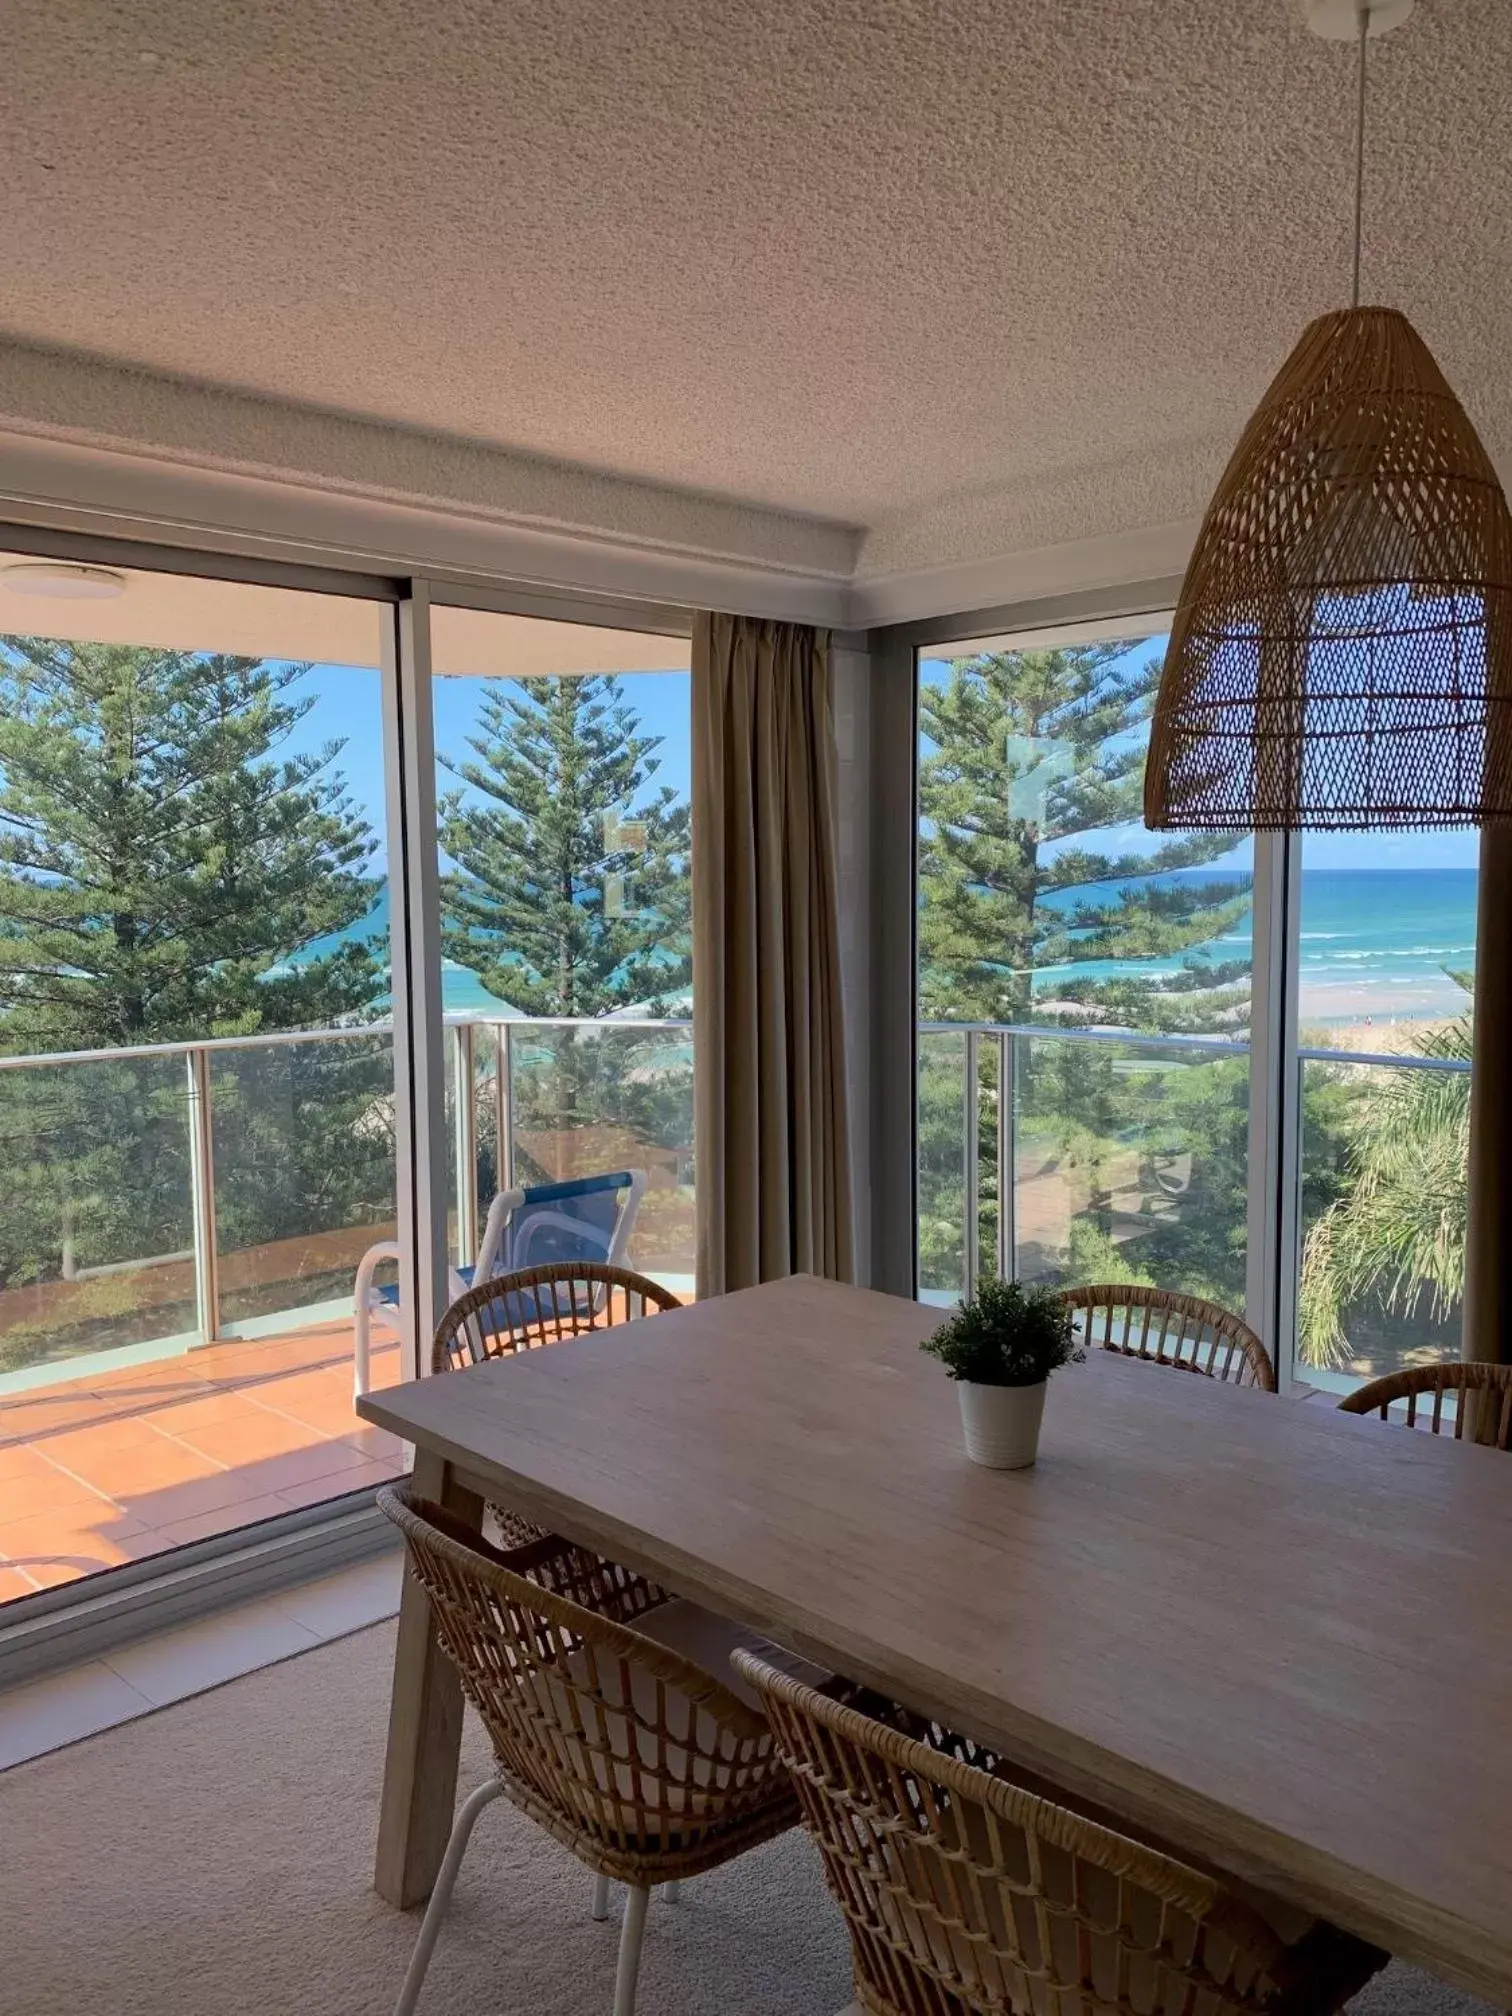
<point x="1382" y="944"/>
<point x="1377" y="946"/>
<point x="462" y="992"/>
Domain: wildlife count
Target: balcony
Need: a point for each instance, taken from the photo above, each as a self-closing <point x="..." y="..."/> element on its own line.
<point x="1065" y="1155"/>
<point x="176" y="1349"/>
<point x="110" y="1467"/>
<point x="151" y="1397"/>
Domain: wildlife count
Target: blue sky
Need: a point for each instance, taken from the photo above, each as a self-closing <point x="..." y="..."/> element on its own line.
<point x="347" y="707"/>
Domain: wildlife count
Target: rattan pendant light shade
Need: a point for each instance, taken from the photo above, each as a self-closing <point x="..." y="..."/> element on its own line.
<point x="1341" y="654"/>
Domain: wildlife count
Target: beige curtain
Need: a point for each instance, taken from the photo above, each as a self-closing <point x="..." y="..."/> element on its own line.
<point x="772" y="1155"/>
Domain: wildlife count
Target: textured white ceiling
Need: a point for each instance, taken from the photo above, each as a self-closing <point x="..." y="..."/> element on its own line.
<point x="975" y="275"/>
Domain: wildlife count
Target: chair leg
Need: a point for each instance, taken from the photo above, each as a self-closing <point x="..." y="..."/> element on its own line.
<point x="628" y="1971"/>
<point x="600" y="1909"/>
<point x="446" y="1879"/>
<point x="673" y="1890"/>
<point x="361" y="1349"/>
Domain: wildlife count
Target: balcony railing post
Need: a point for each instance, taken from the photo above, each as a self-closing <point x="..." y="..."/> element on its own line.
<point x="971" y="1151"/>
<point x="504" y="1102"/>
<point x="202" y="1195"/>
<point x="465" y="1142"/>
<point x="1007" y="1161"/>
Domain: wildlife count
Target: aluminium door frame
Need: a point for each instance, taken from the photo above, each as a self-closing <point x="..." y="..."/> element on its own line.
<point x="1273" y="1172"/>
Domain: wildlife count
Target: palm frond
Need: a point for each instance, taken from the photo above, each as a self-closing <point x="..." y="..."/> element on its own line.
<point x="1396" y="1238"/>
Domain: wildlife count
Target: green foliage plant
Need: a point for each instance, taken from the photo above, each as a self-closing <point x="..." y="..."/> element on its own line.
<point x="1392" y="1242"/>
<point x="1006" y="1335"/>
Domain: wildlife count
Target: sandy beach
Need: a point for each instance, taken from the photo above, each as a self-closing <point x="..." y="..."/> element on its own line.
<point x="1406" y="1034"/>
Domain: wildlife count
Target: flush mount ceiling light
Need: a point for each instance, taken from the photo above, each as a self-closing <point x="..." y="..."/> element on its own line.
<point x="62" y="580"/>
<point x="1341" y="654"/>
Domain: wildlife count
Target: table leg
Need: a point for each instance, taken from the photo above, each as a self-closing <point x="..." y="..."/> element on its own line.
<point x="425" y="1724"/>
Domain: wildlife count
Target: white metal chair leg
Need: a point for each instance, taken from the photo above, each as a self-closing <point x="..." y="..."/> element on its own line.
<point x="628" y="1971"/>
<point x="446" y="1879"/>
<point x="600" y="1909"/>
<point x="362" y="1358"/>
<point x="673" y="1890"/>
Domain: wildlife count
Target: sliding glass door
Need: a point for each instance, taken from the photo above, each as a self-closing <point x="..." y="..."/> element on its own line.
<point x="1084" y="986"/>
<point x="563" y="844"/>
<point x="1385" y="974"/>
<point x="326" y="920"/>
<point x="1096" y="1003"/>
<point x="197" y="1092"/>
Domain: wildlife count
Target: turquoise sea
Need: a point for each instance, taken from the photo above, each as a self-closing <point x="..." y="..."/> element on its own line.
<point x="1385" y="943"/>
<point x="462" y="992"/>
<point x="1377" y="945"/>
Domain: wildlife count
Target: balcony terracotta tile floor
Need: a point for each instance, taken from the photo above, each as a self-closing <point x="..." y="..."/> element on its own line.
<point x="120" y="1465"/>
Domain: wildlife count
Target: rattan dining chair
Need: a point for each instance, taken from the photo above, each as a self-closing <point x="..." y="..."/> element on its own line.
<point x="609" y="1727"/>
<point x="1488" y="1420"/>
<point x="967" y="1895"/>
<point x="1171" y="1329"/>
<point x="536" y="1306"/>
<point x="542" y="1305"/>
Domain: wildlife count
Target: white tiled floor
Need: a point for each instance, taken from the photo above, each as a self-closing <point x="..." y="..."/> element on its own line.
<point x="348" y="1600"/>
<point x="45" y="1714"/>
<point x="63" y="1707"/>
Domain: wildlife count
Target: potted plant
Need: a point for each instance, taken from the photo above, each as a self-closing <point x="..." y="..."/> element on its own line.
<point x="1000" y="1348"/>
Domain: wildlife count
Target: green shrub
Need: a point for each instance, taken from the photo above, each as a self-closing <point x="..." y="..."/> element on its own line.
<point x="1007" y="1335"/>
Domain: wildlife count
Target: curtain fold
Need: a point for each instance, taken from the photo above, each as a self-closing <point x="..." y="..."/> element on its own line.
<point x="771" y="1144"/>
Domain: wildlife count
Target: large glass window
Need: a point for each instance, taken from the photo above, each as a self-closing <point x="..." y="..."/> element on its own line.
<point x="1084" y="986"/>
<point x="1386" y="964"/>
<point x="563" y="791"/>
<point x="198" y="1106"/>
<point x="196" y="1072"/>
<point x="1086" y="1027"/>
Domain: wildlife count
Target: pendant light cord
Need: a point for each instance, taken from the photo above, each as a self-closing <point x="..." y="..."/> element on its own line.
<point x="1363" y="11"/>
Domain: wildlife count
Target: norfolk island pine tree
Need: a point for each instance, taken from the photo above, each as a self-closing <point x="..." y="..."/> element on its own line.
<point x="562" y="911"/>
<point x="1028" y="757"/>
<point x="160" y="863"/>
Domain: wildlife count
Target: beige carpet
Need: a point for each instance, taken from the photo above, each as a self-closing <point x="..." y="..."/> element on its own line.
<point x="213" y="1860"/>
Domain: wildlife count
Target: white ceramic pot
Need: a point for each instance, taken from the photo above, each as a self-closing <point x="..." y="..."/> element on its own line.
<point x="1002" y="1423"/>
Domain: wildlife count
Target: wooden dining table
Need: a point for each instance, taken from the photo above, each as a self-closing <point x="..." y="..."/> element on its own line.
<point x="1278" y="1637"/>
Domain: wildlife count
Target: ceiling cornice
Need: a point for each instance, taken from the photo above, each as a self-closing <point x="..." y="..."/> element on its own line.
<point x="88" y="447"/>
<point x="1046" y="574"/>
<point x="173" y="459"/>
<point x="136" y="496"/>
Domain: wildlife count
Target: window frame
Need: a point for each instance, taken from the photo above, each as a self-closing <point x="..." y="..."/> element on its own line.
<point x="1274" y="1171"/>
<point x="87" y="1618"/>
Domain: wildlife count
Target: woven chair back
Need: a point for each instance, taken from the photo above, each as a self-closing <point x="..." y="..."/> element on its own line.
<point x="542" y="1305"/>
<point x="611" y="1741"/>
<point x="1171" y="1329"/>
<point x="964" y="1893"/>
<point x="1468" y="1400"/>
